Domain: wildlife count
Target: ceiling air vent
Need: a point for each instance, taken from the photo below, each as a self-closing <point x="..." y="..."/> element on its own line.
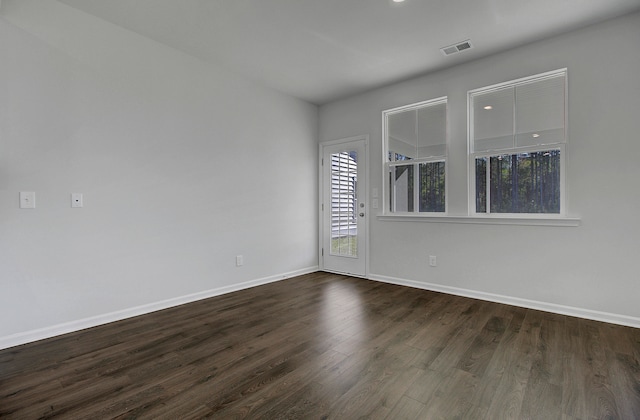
<point x="456" y="48"/>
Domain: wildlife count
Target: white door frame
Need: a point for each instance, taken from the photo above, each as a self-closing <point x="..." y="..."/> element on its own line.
<point x="323" y="205"/>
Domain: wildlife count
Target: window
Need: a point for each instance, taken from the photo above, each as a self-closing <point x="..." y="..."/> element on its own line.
<point x="415" y="152"/>
<point x="344" y="199"/>
<point x="517" y="136"/>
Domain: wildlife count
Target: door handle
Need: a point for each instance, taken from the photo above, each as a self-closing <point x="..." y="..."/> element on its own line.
<point x="361" y="214"/>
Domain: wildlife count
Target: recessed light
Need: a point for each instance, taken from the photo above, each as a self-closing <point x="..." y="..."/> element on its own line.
<point x="488" y="107"/>
<point x="398" y="1"/>
<point x="535" y="135"/>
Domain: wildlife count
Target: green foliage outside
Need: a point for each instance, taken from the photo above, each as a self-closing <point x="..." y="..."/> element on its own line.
<point x="345" y="245"/>
<point x="520" y="183"/>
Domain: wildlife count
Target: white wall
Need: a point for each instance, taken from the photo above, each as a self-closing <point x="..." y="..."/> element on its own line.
<point x="590" y="270"/>
<point x="182" y="165"/>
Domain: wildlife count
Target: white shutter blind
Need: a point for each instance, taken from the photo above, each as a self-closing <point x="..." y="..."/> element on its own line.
<point x="344" y="171"/>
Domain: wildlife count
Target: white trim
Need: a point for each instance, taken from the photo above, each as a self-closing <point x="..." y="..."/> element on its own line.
<point x="435" y="101"/>
<point x="520" y="81"/>
<point x="519" y="150"/>
<point x="367" y="207"/>
<point x="418" y="161"/>
<point x="493" y="219"/>
<point x="346" y="274"/>
<point x="81" y="324"/>
<point x="321" y="206"/>
<point x="611" y="318"/>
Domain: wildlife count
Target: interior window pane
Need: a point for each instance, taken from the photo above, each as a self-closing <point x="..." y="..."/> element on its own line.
<point x="501" y="185"/>
<point x="401" y="180"/>
<point x="540" y="137"/>
<point x="525" y="182"/>
<point x="432" y="187"/>
<point x="414" y="134"/>
<point x="432" y="130"/>
<point x="402" y="136"/>
<point x="493" y="120"/>
<point x="398" y="156"/>
<point x="526" y="115"/>
<point x="540" y="112"/>
<point x="481" y="185"/>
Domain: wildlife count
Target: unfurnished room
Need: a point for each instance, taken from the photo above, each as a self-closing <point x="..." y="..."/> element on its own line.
<point x="319" y="209"/>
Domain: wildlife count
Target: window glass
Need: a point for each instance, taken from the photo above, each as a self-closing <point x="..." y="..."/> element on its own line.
<point x="415" y="145"/>
<point x="493" y="119"/>
<point x="520" y="183"/>
<point x="517" y="139"/>
<point x="432" y="193"/>
<point x="402" y="196"/>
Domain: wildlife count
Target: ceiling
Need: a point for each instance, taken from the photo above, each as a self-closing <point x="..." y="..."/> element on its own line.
<point x="323" y="50"/>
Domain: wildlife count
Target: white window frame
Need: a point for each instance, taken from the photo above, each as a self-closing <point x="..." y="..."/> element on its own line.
<point x="388" y="165"/>
<point x="472" y="155"/>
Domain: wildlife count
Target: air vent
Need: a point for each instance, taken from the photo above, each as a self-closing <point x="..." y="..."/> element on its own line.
<point x="456" y="48"/>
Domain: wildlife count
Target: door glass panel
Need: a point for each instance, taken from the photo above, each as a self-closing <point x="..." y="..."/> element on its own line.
<point x="344" y="200"/>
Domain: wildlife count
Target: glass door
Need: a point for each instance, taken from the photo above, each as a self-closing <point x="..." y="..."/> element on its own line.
<point x="344" y="210"/>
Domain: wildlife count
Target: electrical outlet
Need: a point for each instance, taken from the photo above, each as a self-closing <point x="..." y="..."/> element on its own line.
<point x="239" y="260"/>
<point x="433" y="261"/>
<point x="76" y="200"/>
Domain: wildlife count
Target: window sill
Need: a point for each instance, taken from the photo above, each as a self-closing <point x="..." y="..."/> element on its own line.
<point x="483" y="220"/>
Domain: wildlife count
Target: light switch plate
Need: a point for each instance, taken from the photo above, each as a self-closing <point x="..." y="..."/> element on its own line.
<point x="27" y="200"/>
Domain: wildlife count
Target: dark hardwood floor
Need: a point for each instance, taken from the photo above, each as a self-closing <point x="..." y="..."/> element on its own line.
<point x="326" y="346"/>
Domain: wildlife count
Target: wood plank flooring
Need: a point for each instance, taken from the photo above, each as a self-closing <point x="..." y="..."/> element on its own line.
<point x="325" y="346"/>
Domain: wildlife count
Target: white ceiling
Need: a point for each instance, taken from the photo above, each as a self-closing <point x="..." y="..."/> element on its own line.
<point x="322" y="50"/>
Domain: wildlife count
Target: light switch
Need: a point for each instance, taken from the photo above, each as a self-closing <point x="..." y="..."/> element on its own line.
<point x="76" y="200"/>
<point x="374" y="192"/>
<point x="27" y="200"/>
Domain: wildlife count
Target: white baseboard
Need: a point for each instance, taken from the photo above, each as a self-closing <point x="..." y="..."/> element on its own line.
<point x="81" y="324"/>
<point x="68" y="327"/>
<point x="514" y="301"/>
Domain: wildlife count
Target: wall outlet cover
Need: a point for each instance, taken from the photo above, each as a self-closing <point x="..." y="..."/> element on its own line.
<point x="76" y="200"/>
